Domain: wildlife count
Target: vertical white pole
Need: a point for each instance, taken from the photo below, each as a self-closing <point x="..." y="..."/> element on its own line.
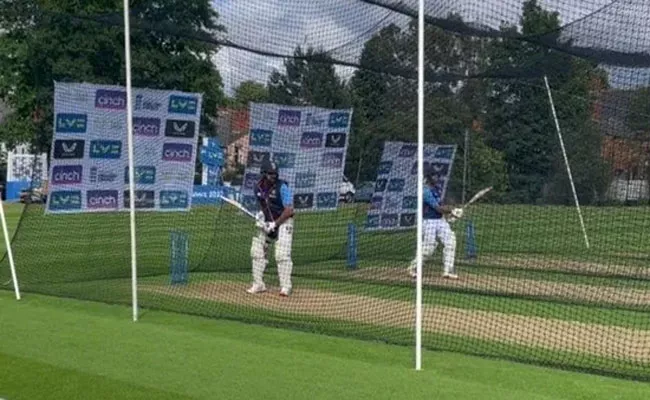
<point x="10" y="253"/>
<point x="129" y="133"/>
<point x="418" y="290"/>
<point x="566" y="160"/>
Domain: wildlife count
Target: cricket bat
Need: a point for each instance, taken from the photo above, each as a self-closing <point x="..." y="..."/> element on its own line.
<point x="239" y="206"/>
<point x="477" y="196"/>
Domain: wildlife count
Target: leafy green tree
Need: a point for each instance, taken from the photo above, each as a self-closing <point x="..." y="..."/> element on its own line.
<point x="44" y="41"/>
<point x="249" y="91"/>
<point x="309" y="79"/>
<point x="519" y="121"/>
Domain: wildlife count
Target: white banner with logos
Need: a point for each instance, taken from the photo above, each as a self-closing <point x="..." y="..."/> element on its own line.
<point x="26" y="167"/>
<point x="309" y="146"/>
<point x="89" y="155"/>
<point x="394" y="203"/>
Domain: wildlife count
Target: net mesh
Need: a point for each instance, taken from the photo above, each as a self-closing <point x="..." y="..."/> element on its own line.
<point x="532" y="285"/>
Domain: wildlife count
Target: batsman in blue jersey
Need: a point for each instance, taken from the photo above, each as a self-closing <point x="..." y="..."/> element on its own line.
<point x="435" y="227"/>
<point x="275" y="221"/>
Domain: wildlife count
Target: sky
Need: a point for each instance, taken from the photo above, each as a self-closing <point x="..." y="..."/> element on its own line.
<point x="344" y="25"/>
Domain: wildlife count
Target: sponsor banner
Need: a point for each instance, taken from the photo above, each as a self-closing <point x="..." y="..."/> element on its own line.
<point x="309" y="146"/>
<point x="393" y="205"/>
<point x="88" y="169"/>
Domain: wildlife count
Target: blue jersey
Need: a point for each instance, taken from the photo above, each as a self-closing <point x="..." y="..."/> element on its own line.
<point x="431" y="201"/>
<point x="273" y="199"/>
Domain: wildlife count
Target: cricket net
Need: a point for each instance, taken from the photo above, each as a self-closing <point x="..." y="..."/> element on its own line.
<point x="552" y="263"/>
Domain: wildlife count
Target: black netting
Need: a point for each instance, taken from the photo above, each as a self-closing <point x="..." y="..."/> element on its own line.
<point x="328" y="89"/>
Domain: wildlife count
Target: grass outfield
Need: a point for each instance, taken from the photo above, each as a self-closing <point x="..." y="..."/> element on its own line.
<point x="86" y="256"/>
<point x="55" y="348"/>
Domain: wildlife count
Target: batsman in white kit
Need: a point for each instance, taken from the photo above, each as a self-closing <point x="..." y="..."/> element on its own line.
<point x="435" y="227"/>
<point x="275" y="223"/>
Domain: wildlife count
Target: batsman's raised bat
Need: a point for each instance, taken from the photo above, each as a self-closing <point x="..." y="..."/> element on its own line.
<point x="239" y="206"/>
<point x="478" y="195"/>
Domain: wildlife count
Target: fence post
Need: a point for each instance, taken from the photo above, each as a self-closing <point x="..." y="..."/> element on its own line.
<point x="179" y="257"/>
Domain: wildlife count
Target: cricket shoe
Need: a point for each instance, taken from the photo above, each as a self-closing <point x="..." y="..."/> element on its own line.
<point x="256" y="288"/>
<point x="285" y="292"/>
<point x="449" y="275"/>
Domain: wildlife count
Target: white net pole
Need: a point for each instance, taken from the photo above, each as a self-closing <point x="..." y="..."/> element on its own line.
<point x="129" y="124"/>
<point x="10" y="254"/>
<point x="566" y="161"/>
<point x="418" y="296"/>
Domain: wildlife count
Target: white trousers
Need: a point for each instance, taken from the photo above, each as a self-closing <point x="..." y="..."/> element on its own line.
<point x="435" y="230"/>
<point x="259" y="254"/>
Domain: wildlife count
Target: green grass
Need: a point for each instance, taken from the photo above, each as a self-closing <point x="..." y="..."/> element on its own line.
<point x="86" y="256"/>
<point x="62" y="349"/>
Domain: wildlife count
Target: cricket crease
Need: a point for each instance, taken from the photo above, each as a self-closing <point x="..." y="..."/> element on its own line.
<point x="535" y="332"/>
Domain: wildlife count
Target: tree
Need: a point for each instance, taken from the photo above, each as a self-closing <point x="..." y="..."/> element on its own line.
<point x="519" y="121"/>
<point x="249" y="91"/>
<point x="44" y="42"/>
<point x="309" y="79"/>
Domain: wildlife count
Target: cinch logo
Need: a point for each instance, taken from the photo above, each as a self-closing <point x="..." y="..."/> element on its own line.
<point x="67" y="174"/>
<point x="384" y="167"/>
<point x="111" y="99"/>
<point x="257" y="158"/>
<point x="99" y="176"/>
<point x="410" y="202"/>
<point x="326" y="200"/>
<point x="250" y="180"/>
<point x="444" y="152"/>
<point x="312" y="119"/>
<point x="143" y="104"/>
<point x="304" y="200"/>
<point x="289" y="118"/>
<point x="389" y="220"/>
<point x="311" y="140"/>
<point x="105" y="149"/>
<point x="183" y="104"/>
<point x="335" y="140"/>
<point x="380" y="185"/>
<point x="179" y="129"/>
<point x="376" y="203"/>
<point x="261" y="137"/>
<point x="144" y="175"/>
<point x="372" y="221"/>
<point x="177" y="152"/>
<point x="396" y="185"/>
<point x="65" y="200"/>
<point x="332" y="160"/>
<point x="173" y="199"/>
<point x="407" y="220"/>
<point x="305" y="180"/>
<point x="146" y="126"/>
<point x="285" y="160"/>
<point x="339" y="120"/>
<point x="71" y="123"/>
<point x="102" y="199"/>
<point x="143" y="199"/>
<point x="250" y="202"/>
<point x="69" y="149"/>
<point x="407" y="150"/>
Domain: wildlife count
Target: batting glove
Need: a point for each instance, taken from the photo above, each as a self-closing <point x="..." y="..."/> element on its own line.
<point x="457" y="213"/>
<point x="259" y="220"/>
<point x="269" y="227"/>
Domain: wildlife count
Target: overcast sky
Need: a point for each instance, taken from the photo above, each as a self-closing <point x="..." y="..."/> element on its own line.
<point x="344" y="25"/>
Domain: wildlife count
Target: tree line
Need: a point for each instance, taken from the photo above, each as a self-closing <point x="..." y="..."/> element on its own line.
<point x="512" y="139"/>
